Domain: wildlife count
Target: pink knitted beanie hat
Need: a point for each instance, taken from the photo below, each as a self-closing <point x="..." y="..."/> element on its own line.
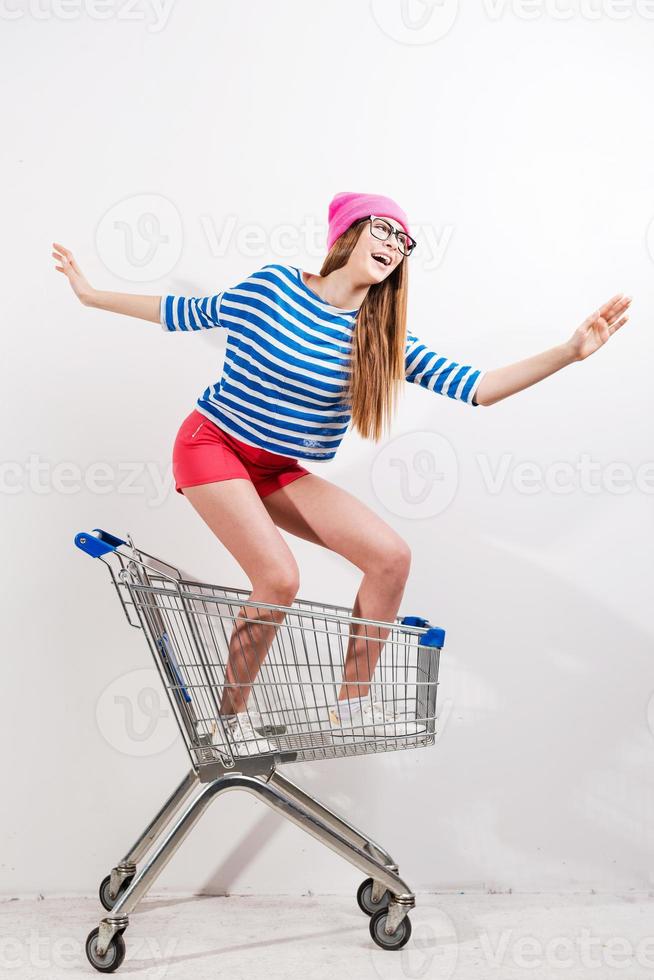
<point x="347" y="207"/>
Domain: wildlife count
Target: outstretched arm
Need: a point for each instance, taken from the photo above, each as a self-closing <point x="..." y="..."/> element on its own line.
<point x="143" y="307"/>
<point x="589" y="337"/>
<point x="171" y="312"/>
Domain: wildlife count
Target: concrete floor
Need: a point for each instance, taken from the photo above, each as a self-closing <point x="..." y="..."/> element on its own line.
<point x="460" y="936"/>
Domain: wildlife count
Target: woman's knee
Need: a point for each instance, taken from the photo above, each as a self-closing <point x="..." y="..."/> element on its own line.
<point x="393" y="560"/>
<point x="281" y="583"/>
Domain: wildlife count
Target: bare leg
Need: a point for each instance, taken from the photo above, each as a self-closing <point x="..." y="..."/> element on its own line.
<point x="234" y="512"/>
<point x="318" y="511"/>
<point x="376" y="599"/>
<point x="248" y="647"/>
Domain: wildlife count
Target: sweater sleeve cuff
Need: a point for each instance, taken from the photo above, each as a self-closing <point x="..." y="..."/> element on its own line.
<point x="473" y="390"/>
<point x="162" y="313"/>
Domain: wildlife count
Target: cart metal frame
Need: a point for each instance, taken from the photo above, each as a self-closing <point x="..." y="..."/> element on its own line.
<point x="183" y="620"/>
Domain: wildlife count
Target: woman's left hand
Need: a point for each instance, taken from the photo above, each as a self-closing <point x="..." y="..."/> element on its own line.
<point x="598" y="327"/>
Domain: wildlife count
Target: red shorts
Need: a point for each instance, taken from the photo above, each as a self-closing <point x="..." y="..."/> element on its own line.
<point x="205" y="453"/>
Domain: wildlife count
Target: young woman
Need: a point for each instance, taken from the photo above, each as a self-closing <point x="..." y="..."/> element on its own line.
<point x="306" y="356"/>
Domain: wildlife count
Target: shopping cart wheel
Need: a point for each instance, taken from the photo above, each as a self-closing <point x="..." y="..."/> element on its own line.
<point x="364" y="898"/>
<point x="106" y="898"/>
<point x="112" y="958"/>
<point x="398" y="939"/>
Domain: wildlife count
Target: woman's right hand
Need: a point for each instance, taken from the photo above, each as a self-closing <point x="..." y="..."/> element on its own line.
<point x="79" y="283"/>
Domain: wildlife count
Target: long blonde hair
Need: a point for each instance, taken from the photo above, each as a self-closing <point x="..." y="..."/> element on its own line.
<point x="378" y="344"/>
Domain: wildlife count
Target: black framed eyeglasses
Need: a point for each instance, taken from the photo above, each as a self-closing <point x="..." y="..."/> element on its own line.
<point x="381" y="229"/>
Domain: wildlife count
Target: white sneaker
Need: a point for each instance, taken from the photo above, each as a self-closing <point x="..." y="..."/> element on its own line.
<point x="384" y="717"/>
<point x="243" y="738"/>
<point x="265" y="724"/>
<point x="247" y="741"/>
<point x="373" y="718"/>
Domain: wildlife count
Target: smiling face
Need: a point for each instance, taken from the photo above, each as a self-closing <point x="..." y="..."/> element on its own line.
<point x="373" y="260"/>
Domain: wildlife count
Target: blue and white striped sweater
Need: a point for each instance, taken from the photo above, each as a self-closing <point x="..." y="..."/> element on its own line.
<point x="287" y="363"/>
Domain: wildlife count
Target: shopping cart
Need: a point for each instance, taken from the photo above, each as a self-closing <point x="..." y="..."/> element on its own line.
<point x="189" y="626"/>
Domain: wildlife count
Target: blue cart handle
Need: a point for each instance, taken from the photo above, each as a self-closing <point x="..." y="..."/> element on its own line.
<point x="434" y="636"/>
<point x="414" y="621"/>
<point x="99" y="543"/>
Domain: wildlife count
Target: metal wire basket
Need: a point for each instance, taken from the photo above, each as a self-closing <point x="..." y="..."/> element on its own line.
<point x="189" y="624"/>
